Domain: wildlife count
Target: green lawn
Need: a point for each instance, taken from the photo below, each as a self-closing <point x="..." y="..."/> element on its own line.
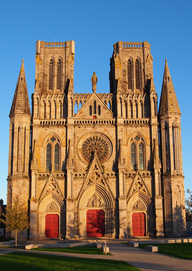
<point x="82" y="250"/>
<point x="24" y="261"/>
<point x="183" y="251"/>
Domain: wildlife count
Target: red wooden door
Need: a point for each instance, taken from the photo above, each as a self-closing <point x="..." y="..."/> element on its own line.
<point x="51" y="226"/>
<point x="138" y="224"/>
<point x="95" y="223"/>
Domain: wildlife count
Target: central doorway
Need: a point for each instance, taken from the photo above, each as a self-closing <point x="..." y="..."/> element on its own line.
<point x="51" y="226"/>
<point x="138" y="224"/>
<point x="95" y="223"/>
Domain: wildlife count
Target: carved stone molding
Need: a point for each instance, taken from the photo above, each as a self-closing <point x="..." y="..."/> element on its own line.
<point x="52" y="206"/>
<point x="95" y="201"/>
<point x="138" y="205"/>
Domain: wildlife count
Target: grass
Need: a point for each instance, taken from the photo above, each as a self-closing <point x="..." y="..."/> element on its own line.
<point x="30" y="262"/>
<point x="81" y="250"/>
<point x="183" y="251"/>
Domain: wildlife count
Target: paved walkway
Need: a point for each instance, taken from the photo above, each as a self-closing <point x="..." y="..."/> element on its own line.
<point x="139" y="258"/>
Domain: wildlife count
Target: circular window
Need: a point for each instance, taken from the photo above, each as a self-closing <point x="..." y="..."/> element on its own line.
<point x="95" y="143"/>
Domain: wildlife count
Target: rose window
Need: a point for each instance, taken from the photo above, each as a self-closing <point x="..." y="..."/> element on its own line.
<point x="96" y="144"/>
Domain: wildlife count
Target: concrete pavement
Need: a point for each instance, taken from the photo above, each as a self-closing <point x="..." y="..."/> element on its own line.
<point x="139" y="258"/>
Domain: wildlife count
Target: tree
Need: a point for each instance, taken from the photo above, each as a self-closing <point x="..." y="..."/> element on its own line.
<point x="188" y="203"/>
<point x="16" y="217"/>
<point x="2" y="221"/>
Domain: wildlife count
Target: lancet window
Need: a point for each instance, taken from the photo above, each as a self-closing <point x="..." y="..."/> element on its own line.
<point x="137" y="153"/>
<point x="59" y="74"/>
<point x="130" y="74"/>
<point x="137" y="74"/>
<point x="51" y="74"/>
<point x="53" y="154"/>
<point x="167" y="147"/>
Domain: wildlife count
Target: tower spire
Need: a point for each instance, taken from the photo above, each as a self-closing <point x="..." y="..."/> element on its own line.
<point x="20" y="102"/>
<point x="168" y="102"/>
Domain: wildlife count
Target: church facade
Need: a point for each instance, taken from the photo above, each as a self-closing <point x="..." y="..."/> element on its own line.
<point x="97" y="164"/>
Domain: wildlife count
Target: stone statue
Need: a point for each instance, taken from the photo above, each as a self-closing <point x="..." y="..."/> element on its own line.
<point x="94" y="81"/>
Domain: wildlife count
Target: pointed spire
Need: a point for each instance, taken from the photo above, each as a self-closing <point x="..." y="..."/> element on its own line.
<point x="168" y="102"/>
<point x="20" y="104"/>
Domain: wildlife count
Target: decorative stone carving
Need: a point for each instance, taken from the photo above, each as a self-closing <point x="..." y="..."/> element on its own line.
<point x="52" y="187"/>
<point x="52" y="206"/>
<point x="95" y="201"/>
<point x="138" y="205"/>
<point x="138" y="186"/>
<point x="95" y="144"/>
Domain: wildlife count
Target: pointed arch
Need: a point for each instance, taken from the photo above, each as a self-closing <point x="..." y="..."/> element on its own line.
<point x="130" y="74"/>
<point x="56" y="158"/>
<point x="141" y="156"/>
<point x="48" y="156"/>
<point x="133" y="156"/>
<point x="59" y="71"/>
<point x="137" y="74"/>
<point x="51" y="63"/>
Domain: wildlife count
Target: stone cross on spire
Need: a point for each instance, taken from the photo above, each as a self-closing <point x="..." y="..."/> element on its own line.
<point x="94" y="81"/>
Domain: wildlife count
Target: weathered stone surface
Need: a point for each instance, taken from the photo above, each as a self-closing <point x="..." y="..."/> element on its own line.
<point x="97" y="151"/>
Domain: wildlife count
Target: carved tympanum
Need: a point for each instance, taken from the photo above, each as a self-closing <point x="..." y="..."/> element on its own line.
<point x="95" y="201"/>
<point x="52" y="206"/>
<point x="138" y="205"/>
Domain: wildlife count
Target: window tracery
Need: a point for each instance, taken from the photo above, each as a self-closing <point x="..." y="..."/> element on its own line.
<point x="137" y="153"/>
<point x="53" y="154"/>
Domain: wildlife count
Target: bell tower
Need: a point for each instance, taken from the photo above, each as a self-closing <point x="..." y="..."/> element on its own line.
<point x="172" y="165"/>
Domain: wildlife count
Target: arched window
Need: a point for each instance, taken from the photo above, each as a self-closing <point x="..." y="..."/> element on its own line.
<point x="51" y="74"/>
<point x="136" y="108"/>
<point x="59" y="74"/>
<point x="126" y="110"/>
<point x="18" y="147"/>
<point x="173" y="135"/>
<point x="44" y="104"/>
<point x="61" y="111"/>
<point x="24" y="149"/>
<point x="137" y="153"/>
<point x="141" y="110"/>
<point x="56" y="166"/>
<point x="137" y="74"/>
<point x="37" y="108"/>
<point x="90" y="110"/>
<point x="131" y="110"/>
<point x="155" y="109"/>
<point x="133" y="156"/>
<point x="48" y="157"/>
<point x="94" y="107"/>
<point x="12" y="147"/>
<point x="99" y="110"/>
<point x="130" y="67"/>
<point x="141" y="156"/>
<point x="55" y="105"/>
<point x="167" y="147"/>
<point x="50" y="110"/>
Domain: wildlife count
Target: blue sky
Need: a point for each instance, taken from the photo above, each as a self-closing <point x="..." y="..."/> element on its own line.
<point x="95" y="26"/>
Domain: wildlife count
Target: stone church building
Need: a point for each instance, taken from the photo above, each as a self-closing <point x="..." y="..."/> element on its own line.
<point x="95" y="164"/>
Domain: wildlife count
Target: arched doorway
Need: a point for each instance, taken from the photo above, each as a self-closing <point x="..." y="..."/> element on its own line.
<point x="51" y="226"/>
<point x="138" y="224"/>
<point x="95" y="223"/>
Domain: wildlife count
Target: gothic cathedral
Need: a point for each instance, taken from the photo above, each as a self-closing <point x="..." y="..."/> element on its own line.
<point x="95" y="164"/>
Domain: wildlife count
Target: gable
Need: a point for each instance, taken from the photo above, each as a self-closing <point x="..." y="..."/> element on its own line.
<point x="94" y="108"/>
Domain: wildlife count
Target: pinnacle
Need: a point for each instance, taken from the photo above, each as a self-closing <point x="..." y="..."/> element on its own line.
<point x="168" y="102"/>
<point x="20" y="104"/>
